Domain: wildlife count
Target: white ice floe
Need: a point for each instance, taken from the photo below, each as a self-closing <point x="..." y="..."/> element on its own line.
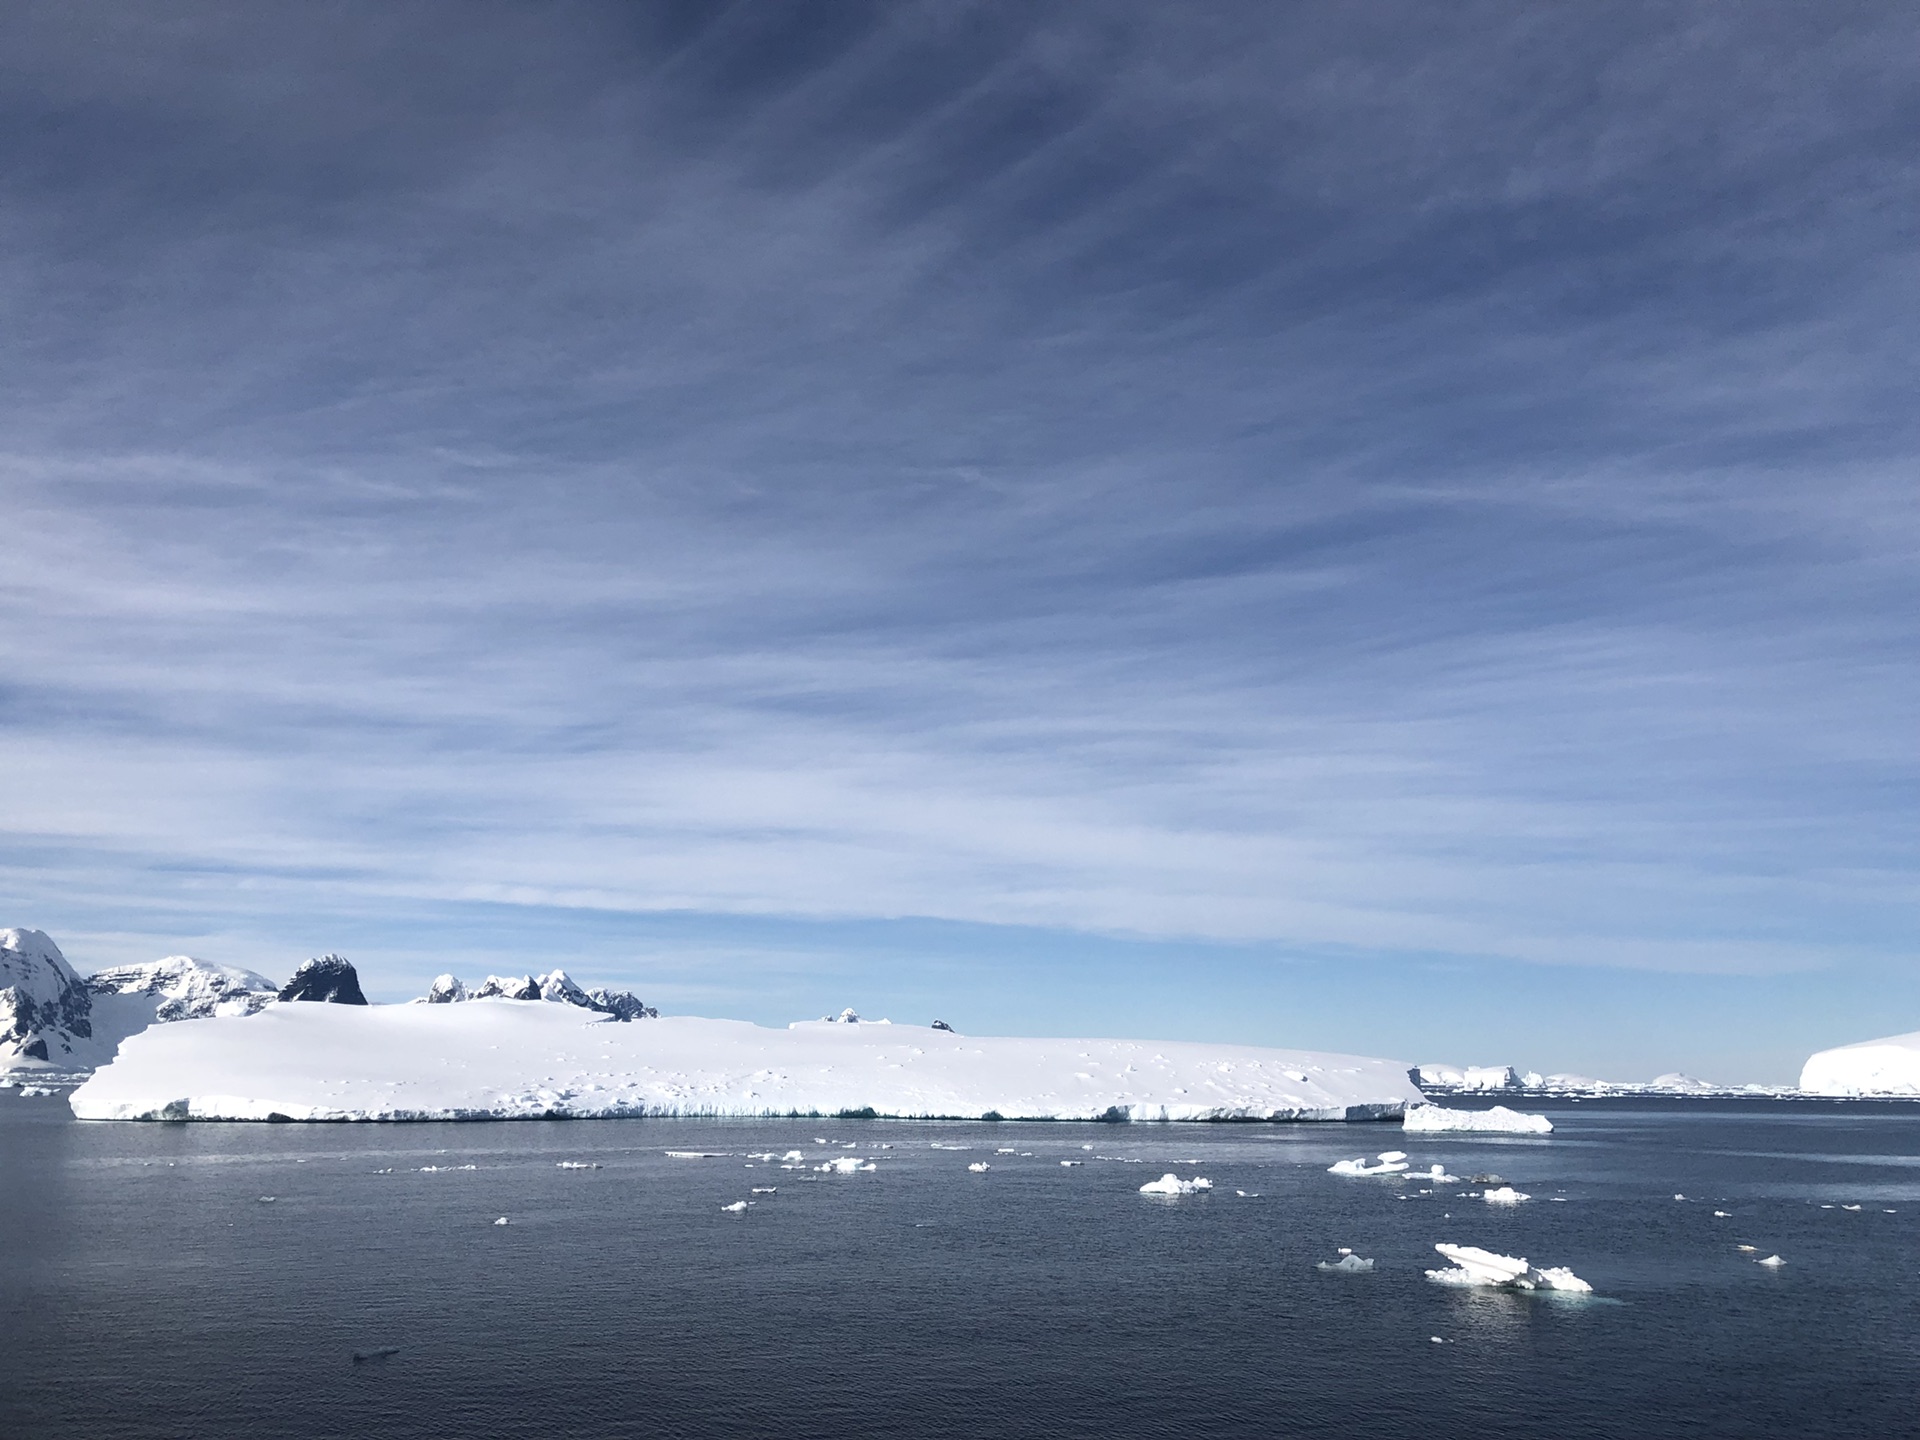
<point x="846" y="1165"/>
<point x="512" y="1059"/>
<point x="1389" y="1162"/>
<point x="1348" y="1264"/>
<point x="1172" y="1184"/>
<point x="738" y="1207"/>
<point x="577" y="1165"/>
<point x="766" y="1189"/>
<point x="1499" y="1120"/>
<point x="1772" y="1261"/>
<point x="1474" y="1266"/>
<point x="1505" y="1195"/>
<point x="501" y="1221"/>
<point x="1436" y="1175"/>
<point x="1869" y="1067"/>
<point x="979" y="1167"/>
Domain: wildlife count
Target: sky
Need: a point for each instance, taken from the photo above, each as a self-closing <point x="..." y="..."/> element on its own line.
<point x="1381" y="527"/>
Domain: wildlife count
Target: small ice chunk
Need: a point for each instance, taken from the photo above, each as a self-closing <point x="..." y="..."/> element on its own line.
<point x="1172" y="1184"/>
<point x="1849" y="1207"/>
<point x="738" y="1207"/>
<point x="1348" y="1264"/>
<point x="979" y="1167"/>
<point x="792" y="1155"/>
<point x="1723" y="1214"/>
<point x="1747" y="1249"/>
<point x="1070" y="1163"/>
<point x="1391" y="1162"/>
<point x="1505" y="1195"/>
<point x="501" y="1221"/>
<point x="1437" y="1175"/>
<point x="267" y="1199"/>
<point x="577" y="1165"/>
<point x="1679" y="1197"/>
<point x="766" y="1190"/>
<point x="1772" y="1262"/>
<point x="1474" y="1266"/>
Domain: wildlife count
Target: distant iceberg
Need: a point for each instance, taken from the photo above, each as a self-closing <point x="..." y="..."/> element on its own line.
<point x="1172" y="1184"/>
<point x="1435" y="1119"/>
<point x="1869" y="1067"/>
<point x="523" y="1059"/>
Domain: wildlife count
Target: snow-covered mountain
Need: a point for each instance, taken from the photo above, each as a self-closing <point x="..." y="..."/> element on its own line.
<point x="518" y="1059"/>
<point x="328" y="979"/>
<point x="46" y="1011"/>
<point x="129" y="998"/>
<point x="1868" y="1067"/>
<point x="555" y="987"/>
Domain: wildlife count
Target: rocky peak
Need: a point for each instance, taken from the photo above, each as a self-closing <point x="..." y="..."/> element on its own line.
<point x="329" y="978"/>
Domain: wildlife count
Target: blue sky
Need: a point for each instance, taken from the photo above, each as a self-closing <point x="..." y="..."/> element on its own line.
<point x="1366" y="526"/>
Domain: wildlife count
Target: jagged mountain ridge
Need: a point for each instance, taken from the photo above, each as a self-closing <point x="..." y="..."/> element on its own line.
<point x="555" y="987"/>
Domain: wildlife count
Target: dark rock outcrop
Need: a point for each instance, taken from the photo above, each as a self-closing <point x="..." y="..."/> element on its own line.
<point x="330" y="979"/>
<point x="556" y="987"/>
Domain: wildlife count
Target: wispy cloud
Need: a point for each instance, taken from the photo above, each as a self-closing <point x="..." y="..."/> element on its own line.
<point x="1416" y="482"/>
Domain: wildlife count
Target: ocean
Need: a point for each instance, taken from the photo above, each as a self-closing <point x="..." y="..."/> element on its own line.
<point x="150" y="1288"/>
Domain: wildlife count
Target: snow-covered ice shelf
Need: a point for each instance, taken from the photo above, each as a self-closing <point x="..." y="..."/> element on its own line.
<point x="513" y="1059"/>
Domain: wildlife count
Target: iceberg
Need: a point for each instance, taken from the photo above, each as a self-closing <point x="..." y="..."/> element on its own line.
<point x="1437" y="1119"/>
<point x="1867" y="1067"/>
<point x="1348" y="1264"/>
<point x="1505" y="1195"/>
<point x="524" y="1059"/>
<point x="1390" y="1162"/>
<point x="1474" y="1266"/>
<point x="1172" y="1184"/>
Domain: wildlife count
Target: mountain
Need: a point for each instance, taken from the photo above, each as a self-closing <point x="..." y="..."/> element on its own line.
<point x="46" y="1010"/>
<point x="555" y="987"/>
<point x="329" y="979"/>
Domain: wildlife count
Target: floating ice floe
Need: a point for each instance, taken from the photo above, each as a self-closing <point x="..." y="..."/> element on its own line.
<point x="1474" y="1266"/>
<point x="1172" y="1184"/>
<point x="979" y="1167"/>
<point x="268" y="1199"/>
<point x="577" y="1165"/>
<point x="1388" y="1162"/>
<point x="1071" y="1163"/>
<point x="1772" y="1261"/>
<point x="1505" y="1195"/>
<point x="501" y="1221"/>
<point x="1348" y="1264"/>
<point x="1436" y="1175"/>
<point x="1435" y="1119"/>
<point x="766" y="1190"/>
<point x="846" y="1165"/>
<point x="444" y="1169"/>
<point x="738" y="1207"/>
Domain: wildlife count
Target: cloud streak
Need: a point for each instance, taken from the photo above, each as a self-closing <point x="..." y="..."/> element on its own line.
<point x="1405" y="482"/>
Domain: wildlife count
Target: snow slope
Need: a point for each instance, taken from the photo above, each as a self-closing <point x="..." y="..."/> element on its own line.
<point x="1869" y="1067"/>
<point x="523" y="1059"/>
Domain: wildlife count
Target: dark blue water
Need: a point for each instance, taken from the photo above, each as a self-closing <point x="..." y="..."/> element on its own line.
<point x="147" y="1290"/>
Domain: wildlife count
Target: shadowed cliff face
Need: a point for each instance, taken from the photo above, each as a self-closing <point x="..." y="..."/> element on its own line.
<point x="329" y="978"/>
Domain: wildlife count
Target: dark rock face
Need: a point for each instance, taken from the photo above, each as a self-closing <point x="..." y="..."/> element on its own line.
<point x="942" y="1025"/>
<point x="330" y="979"/>
<point x="621" y="1004"/>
